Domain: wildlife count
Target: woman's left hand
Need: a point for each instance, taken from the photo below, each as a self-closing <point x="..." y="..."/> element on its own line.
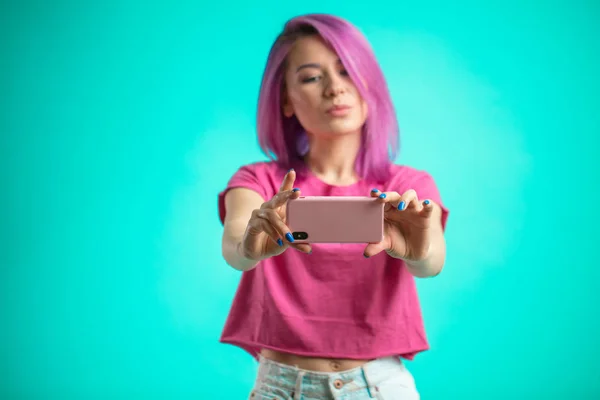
<point x="408" y="226"/>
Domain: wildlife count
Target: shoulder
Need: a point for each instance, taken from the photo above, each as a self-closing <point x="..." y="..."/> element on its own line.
<point x="262" y="168"/>
<point x="406" y="175"/>
<point x="259" y="170"/>
<point x="404" y="178"/>
<point x="262" y="176"/>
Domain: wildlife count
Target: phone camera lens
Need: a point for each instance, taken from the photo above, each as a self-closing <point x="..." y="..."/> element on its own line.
<point x="300" y="235"/>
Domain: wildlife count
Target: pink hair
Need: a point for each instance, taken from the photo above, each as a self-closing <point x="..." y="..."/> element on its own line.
<point x="283" y="139"/>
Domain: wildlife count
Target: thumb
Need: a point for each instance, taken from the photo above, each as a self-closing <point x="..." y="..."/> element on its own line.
<point x="288" y="181"/>
<point x="373" y="249"/>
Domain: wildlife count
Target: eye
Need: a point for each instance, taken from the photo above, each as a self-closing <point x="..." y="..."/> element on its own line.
<point x="310" y="79"/>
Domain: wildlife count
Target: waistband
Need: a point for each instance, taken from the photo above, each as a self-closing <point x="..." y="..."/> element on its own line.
<point x="297" y="380"/>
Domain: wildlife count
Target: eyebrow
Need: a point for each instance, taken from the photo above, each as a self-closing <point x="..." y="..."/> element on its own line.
<point x="312" y="65"/>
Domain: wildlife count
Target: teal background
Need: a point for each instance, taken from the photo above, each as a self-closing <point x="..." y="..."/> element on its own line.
<point x="120" y="122"/>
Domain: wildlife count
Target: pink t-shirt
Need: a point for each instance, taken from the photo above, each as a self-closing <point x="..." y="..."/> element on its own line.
<point x="333" y="303"/>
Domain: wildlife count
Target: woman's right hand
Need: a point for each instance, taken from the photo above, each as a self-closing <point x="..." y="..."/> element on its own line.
<point x="267" y="234"/>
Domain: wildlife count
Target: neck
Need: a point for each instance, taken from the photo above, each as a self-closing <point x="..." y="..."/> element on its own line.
<point x="333" y="159"/>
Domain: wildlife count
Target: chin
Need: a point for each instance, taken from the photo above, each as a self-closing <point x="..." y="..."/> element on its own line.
<point x="343" y="128"/>
<point x="336" y="128"/>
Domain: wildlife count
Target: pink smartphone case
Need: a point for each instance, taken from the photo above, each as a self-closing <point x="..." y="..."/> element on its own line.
<point x="335" y="219"/>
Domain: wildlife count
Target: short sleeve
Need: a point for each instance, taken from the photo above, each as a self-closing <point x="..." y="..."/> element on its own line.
<point x="247" y="177"/>
<point x="426" y="188"/>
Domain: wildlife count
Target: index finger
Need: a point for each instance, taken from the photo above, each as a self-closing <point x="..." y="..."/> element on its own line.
<point x="288" y="181"/>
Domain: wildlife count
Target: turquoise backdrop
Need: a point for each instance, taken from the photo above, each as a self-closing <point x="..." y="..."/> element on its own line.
<point x="121" y="120"/>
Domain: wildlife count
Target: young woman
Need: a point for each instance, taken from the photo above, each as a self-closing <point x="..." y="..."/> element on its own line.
<point x="329" y="320"/>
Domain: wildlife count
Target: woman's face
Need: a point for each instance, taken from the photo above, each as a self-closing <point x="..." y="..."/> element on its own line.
<point x="319" y="91"/>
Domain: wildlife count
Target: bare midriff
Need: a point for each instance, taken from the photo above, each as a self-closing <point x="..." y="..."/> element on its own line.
<point x="312" y="363"/>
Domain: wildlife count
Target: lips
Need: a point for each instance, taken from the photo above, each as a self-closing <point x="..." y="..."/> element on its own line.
<point x="338" y="108"/>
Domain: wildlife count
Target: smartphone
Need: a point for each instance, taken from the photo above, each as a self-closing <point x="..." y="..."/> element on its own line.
<point x="335" y="219"/>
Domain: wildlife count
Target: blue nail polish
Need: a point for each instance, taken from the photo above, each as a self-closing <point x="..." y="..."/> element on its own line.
<point x="374" y="190"/>
<point x="295" y="190"/>
<point x="290" y="170"/>
<point x="401" y="206"/>
<point x="279" y="242"/>
<point x="365" y="256"/>
<point x="382" y="196"/>
<point x="289" y="237"/>
<point x="426" y="202"/>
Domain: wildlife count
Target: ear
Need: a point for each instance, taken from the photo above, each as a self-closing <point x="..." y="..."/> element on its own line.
<point x="288" y="111"/>
<point x="286" y="106"/>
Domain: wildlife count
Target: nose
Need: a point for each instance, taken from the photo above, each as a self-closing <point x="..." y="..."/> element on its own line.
<point x="335" y="86"/>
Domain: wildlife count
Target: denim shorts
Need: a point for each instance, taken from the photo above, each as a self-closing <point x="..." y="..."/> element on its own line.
<point x="384" y="379"/>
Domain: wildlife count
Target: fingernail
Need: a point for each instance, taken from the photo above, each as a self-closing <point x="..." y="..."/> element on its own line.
<point x="365" y="256"/>
<point x="382" y="196"/>
<point x="289" y="237"/>
<point x="426" y="202"/>
<point x="279" y="242"/>
<point x="290" y="170"/>
<point x="401" y="206"/>
<point x="374" y="190"/>
<point x="295" y="190"/>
